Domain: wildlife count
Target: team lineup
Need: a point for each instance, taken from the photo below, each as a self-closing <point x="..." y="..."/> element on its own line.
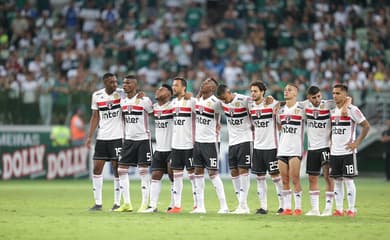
<point x="264" y="136"/>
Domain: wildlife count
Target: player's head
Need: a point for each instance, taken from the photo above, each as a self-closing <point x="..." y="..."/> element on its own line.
<point x="110" y="82"/>
<point x="179" y="86"/>
<point x="314" y="95"/>
<point x="223" y="93"/>
<point x="208" y="86"/>
<point x="257" y="90"/>
<point x="164" y="93"/>
<point x="130" y="84"/>
<point x="340" y="93"/>
<point x="290" y="91"/>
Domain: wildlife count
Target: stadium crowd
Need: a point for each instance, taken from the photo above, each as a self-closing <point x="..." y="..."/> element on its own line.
<point x="52" y="56"/>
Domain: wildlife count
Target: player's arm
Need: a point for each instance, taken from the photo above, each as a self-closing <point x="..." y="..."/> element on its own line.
<point x="363" y="133"/>
<point x="93" y="123"/>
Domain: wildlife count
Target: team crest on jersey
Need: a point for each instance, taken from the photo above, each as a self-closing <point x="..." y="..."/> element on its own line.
<point x="315" y="114"/>
<point x="258" y="113"/>
<point x="129" y="108"/>
<point x="237" y="104"/>
<point x="177" y="111"/>
<point x="137" y="101"/>
<point x="231" y="111"/>
<point x="116" y="95"/>
<point x="297" y="111"/>
<point x="208" y="104"/>
<point x="109" y="104"/>
<point x="287" y="118"/>
<point x="322" y="106"/>
<point x="184" y="103"/>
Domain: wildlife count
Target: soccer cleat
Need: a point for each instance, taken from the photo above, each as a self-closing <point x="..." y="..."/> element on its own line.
<point x="175" y="210"/>
<point x="327" y="212"/>
<point x="127" y="207"/>
<point x="351" y="213"/>
<point x="169" y="208"/>
<point x="198" y="210"/>
<point x="150" y="210"/>
<point x="261" y="211"/>
<point x="313" y="213"/>
<point x="96" y="207"/>
<point x="338" y="213"/>
<point x="297" y="212"/>
<point x="114" y="207"/>
<point x="286" y="212"/>
<point x="142" y="208"/>
<point x="280" y="210"/>
<point x="223" y="211"/>
<point x="241" y="210"/>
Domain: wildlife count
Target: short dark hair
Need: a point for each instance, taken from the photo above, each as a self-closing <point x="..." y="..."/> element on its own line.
<point x="293" y="85"/>
<point x="130" y="77"/>
<point x="183" y="81"/>
<point x="168" y="87"/>
<point x="313" y="90"/>
<point x="260" y="85"/>
<point x="213" y="79"/>
<point x="221" y="89"/>
<point x="342" y="87"/>
<point x="107" y="75"/>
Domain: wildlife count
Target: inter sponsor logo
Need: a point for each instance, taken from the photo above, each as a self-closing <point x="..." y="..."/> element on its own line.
<point x="110" y="114"/>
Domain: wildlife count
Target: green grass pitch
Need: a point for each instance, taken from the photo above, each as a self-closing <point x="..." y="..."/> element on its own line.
<point x="58" y="210"/>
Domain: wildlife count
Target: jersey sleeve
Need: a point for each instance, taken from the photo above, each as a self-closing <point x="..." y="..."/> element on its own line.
<point x="357" y="115"/>
<point x="94" y="105"/>
<point x="329" y="104"/>
<point x="147" y="104"/>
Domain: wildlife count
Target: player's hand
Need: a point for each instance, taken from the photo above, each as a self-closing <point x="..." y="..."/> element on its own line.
<point x="269" y="99"/>
<point x="351" y="146"/>
<point x="188" y="96"/>
<point x="140" y="94"/>
<point x="88" y="143"/>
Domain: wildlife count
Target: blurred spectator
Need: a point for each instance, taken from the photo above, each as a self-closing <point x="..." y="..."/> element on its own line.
<point x="77" y="128"/>
<point x="60" y="133"/>
<point x="46" y="84"/>
<point x="29" y="90"/>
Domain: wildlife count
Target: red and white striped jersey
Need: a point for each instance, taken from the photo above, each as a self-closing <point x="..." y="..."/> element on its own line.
<point x="207" y="118"/>
<point x="344" y="129"/>
<point x="163" y="122"/>
<point x="291" y="133"/>
<point x="318" y="124"/>
<point x="136" y="117"/>
<point x="264" y="120"/>
<point x="183" y="123"/>
<point x="238" y="122"/>
<point x="110" y="115"/>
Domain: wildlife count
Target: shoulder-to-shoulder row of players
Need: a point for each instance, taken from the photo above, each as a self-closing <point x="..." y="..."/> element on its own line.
<point x="264" y="136"/>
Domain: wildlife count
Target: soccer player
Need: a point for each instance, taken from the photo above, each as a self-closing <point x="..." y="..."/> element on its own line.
<point x="207" y="143"/>
<point x="163" y="119"/>
<point x="343" y="148"/>
<point x="318" y="126"/>
<point x="106" y="116"/>
<point x="235" y="107"/>
<point x="265" y="145"/>
<point x="182" y="141"/>
<point x="291" y="120"/>
<point x="137" y="150"/>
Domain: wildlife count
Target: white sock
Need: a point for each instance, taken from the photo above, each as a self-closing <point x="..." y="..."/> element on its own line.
<point x="155" y="189"/>
<point x="329" y="200"/>
<point x="191" y="176"/>
<point x="339" y="194"/>
<point x="145" y="183"/>
<point x="351" y="193"/>
<point x="117" y="191"/>
<point x="172" y="203"/>
<point x="199" y="183"/>
<point x="315" y="200"/>
<point x="218" y="184"/>
<point x="177" y="188"/>
<point x="286" y="199"/>
<point x="262" y="191"/>
<point x="97" y="183"/>
<point x="245" y="184"/>
<point x="278" y="186"/>
<point x="124" y="184"/>
<point x="236" y="186"/>
<point x="298" y="200"/>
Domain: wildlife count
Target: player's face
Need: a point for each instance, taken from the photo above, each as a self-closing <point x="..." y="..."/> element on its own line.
<point x="315" y="99"/>
<point x="207" y="86"/>
<point x="226" y="97"/>
<point x="339" y="96"/>
<point x="290" y="92"/>
<point x="256" y="94"/>
<point x="129" y="85"/>
<point x="178" y="88"/>
<point x="162" y="93"/>
<point x="110" y="84"/>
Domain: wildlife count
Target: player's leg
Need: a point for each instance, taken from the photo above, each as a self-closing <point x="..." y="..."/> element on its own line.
<point x="336" y="164"/>
<point x="144" y="157"/>
<point x="244" y="157"/>
<point x="97" y="183"/>
<point x="258" y="168"/>
<point x="286" y="192"/>
<point x="350" y="171"/>
<point x="329" y="191"/>
<point x="232" y="153"/>
<point x="313" y="167"/>
<point x="123" y="172"/>
<point x="115" y="148"/>
<point x="189" y="164"/>
<point x="294" y="171"/>
<point x="273" y="169"/>
<point x="170" y="176"/>
<point x="199" y="165"/>
<point x="177" y="166"/>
